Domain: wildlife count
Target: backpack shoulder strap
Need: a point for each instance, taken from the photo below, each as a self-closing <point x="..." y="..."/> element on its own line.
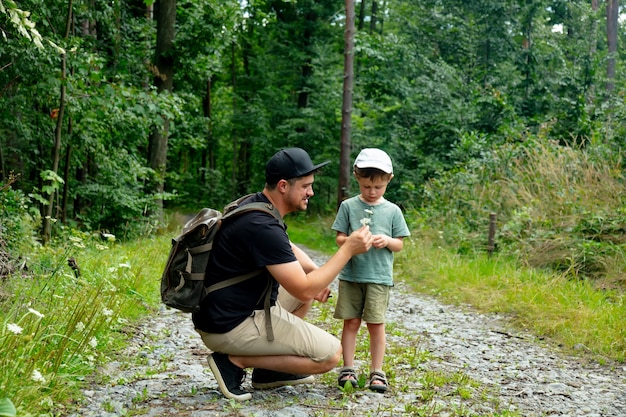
<point x="231" y="281"/>
<point x="258" y="206"/>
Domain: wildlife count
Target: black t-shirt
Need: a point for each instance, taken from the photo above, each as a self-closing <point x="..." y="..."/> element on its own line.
<point x="244" y="243"/>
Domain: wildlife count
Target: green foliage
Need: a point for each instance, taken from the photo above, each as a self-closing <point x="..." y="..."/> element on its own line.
<point x="16" y="223"/>
<point x="7" y="408"/>
<point x="557" y="206"/>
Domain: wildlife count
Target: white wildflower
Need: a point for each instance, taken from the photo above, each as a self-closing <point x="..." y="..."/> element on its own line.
<point x="75" y="239"/>
<point x="124" y="265"/>
<point x="46" y="402"/>
<point x="93" y="342"/>
<point x="37" y="377"/>
<point x="14" y="328"/>
<point x="108" y="236"/>
<point x="35" y="312"/>
<point x="101" y="247"/>
<point x="107" y="312"/>
<point x="368" y="219"/>
<point x="80" y="326"/>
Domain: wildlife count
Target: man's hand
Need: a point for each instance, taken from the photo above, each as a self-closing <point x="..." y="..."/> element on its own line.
<point x="359" y="241"/>
<point x="323" y="295"/>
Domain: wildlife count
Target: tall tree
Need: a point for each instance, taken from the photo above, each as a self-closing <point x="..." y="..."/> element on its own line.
<point x="346" y="108"/>
<point x="58" y="133"/>
<point x="164" y="81"/>
<point x="612" y="13"/>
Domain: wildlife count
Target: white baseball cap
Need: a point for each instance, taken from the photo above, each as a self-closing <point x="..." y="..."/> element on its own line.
<point x="374" y="158"/>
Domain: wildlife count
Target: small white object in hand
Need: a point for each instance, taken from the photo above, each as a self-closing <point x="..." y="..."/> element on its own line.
<point x="367" y="220"/>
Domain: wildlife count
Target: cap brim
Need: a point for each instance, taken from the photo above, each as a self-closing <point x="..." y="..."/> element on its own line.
<point x="316" y="167"/>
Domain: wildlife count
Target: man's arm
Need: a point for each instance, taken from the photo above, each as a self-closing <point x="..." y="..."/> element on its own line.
<point x="306" y="286"/>
<point x="303" y="258"/>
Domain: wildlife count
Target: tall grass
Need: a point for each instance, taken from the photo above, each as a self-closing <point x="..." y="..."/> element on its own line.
<point x="570" y="313"/>
<point x="57" y="324"/>
<point x="560" y="207"/>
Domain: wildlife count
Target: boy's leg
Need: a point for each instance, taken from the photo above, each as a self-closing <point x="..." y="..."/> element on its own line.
<point x="348" y="340"/>
<point x="349" y="307"/>
<point x="377" y="344"/>
<point x="347" y="374"/>
<point x="376" y="304"/>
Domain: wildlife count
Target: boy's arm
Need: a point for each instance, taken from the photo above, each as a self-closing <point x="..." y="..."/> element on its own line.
<point x="341" y="238"/>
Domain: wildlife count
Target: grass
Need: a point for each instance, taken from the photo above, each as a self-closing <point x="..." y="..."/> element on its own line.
<point x="57" y="325"/>
<point x="572" y="313"/>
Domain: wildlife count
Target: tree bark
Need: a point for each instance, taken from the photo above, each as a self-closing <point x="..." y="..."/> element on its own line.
<point x="208" y="157"/>
<point x="163" y="80"/>
<point x="346" y="110"/>
<point x="373" y="17"/>
<point x="612" y="12"/>
<point x="361" y="15"/>
<point x="593" y="46"/>
<point x="233" y="132"/>
<point x="58" y="133"/>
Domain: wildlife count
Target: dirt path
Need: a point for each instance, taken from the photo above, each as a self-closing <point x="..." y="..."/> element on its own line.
<point x="442" y="361"/>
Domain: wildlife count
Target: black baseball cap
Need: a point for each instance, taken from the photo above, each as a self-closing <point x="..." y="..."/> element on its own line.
<point x="290" y="163"/>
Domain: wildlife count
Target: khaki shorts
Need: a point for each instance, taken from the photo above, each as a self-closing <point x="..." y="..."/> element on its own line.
<point x="292" y="335"/>
<point x="368" y="302"/>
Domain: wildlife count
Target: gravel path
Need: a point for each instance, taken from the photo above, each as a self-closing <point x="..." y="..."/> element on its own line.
<point x="169" y="375"/>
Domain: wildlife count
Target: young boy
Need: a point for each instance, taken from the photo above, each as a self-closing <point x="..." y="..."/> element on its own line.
<point x="366" y="280"/>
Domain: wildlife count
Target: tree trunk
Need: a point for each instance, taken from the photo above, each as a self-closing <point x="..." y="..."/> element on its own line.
<point x="361" y="15"/>
<point x="233" y="79"/>
<point x="208" y="159"/>
<point x="593" y="46"/>
<point x="373" y="17"/>
<point x="612" y="12"/>
<point x="163" y="80"/>
<point x="66" y="175"/>
<point x="346" y="110"/>
<point x="58" y="132"/>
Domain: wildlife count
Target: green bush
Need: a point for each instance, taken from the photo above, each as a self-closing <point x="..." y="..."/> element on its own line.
<point x="557" y="207"/>
<point x="17" y="225"/>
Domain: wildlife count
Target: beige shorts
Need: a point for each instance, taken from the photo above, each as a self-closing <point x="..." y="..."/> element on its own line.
<point x="368" y="302"/>
<point x="292" y="335"/>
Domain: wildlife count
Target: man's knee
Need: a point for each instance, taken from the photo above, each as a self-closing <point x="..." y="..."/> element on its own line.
<point x="330" y="363"/>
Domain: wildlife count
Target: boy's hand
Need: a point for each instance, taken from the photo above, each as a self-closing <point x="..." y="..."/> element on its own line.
<point x="380" y="241"/>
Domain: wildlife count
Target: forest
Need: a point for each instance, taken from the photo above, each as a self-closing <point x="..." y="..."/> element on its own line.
<point x="111" y="111"/>
<point x="504" y="119"/>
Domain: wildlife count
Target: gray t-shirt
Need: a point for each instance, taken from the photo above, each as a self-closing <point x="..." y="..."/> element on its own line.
<point x="385" y="218"/>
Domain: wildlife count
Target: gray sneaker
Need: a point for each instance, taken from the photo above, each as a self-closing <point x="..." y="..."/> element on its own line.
<point x="229" y="377"/>
<point x="264" y="379"/>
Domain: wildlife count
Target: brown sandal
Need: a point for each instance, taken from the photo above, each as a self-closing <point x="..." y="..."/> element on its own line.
<point x="381" y="381"/>
<point x="347" y="375"/>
